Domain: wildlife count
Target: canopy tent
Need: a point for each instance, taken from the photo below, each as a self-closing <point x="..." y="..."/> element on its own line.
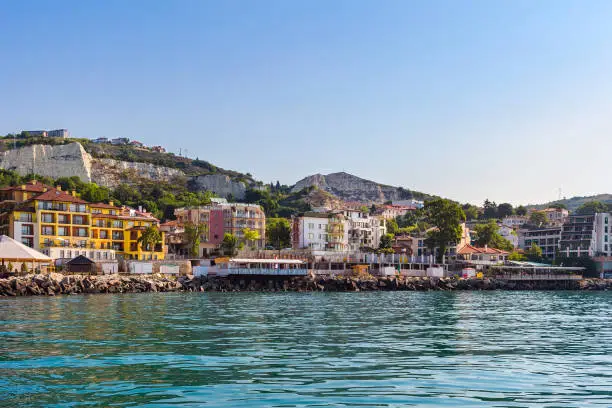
<point x="15" y="251"/>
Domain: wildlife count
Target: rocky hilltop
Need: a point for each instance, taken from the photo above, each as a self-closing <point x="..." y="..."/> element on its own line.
<point x="71" y="159"/>
<point x="352" y="188"/>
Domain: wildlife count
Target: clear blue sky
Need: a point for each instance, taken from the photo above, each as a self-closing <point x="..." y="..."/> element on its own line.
<point x="509" y="100"/>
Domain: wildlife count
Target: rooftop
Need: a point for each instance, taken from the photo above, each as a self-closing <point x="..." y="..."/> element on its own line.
<point x="470" y="249"/>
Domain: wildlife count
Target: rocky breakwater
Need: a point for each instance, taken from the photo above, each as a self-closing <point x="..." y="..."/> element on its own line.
<point x="349" y="284"/>
<point x="58" y="284"/>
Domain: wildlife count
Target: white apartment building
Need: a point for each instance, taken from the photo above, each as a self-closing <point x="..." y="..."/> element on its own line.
<point x="508" y="233"/>
<point x="364" y="230"/>
<point x="320" y="231"/>
<point x="514" y="220"/>
<point x="346" y="230"/>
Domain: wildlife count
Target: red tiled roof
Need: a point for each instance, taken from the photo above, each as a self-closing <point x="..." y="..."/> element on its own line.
<point x="104" y="205"/>
<point x="57" y="195"/>
<point x="469" y="249"/>
<point x="32" y="186"/>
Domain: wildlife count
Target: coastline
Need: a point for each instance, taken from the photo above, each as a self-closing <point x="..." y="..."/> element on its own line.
<point x="57" y="284"/>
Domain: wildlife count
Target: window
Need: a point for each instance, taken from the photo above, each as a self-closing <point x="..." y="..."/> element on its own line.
<point x="80" y="232"/>
<point x="311" y="236"/>
<point x="27" y="242"/>
<point x="47" y="218"/>
<point x="47" y="231"/>
<point x="77" y="207"/>
<point x="63" y="219"/>
<point x="25" y="217"/>
<point x="63" y="231"/>
<point x="117" y="224"/>
<point x="27" y="230"/>
<point x="61" y="253"/>
<point x="78" y="220"/>
<point x="310" y="225"/>
<point x="68" y="254"/>
<point x="605" y="238"/>
<point x="103" y="234"/>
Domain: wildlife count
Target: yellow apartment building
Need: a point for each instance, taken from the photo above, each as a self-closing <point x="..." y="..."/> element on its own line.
<point x="62" y="225"/>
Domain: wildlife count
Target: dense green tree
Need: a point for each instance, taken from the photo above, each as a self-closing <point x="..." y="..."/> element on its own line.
<point x="94" y="193"/>
<point x="385" y="244"/>
<point x="521" y="210"/>
<point x="489" y="209"/>
<point x="488" y="234"/>
<point x="229" y="244"/>
<point x="392" y="227"/>
<point x="250" y="235"/>
<point x="193" y="236"/>
<point x="592" y="207"/>
<point x="504" y="210"/>
<point x="471" y="212"/>
<point x="559" y="206"/>
<point x="278" y="232"/>
<point x="516" y="256"/>
<point x="411" y="218"/>
<point x="446" y="216"/>
<point x="125" y="194"/>
<point x="538" y="218"/>
<point x="149" y="238"/>
<point x="534" y="253"/>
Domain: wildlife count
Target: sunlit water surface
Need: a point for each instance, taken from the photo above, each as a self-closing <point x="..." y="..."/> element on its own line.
<point x="392" y="349"/>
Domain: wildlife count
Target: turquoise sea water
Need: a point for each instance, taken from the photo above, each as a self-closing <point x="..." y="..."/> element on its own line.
<point x="392" y="349"/>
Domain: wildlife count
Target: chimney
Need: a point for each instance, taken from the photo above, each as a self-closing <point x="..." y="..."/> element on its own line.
<point x="58" y="188"/>
<point x="23" y="186"/>
<point x="140" y="208"/>
<point x="111" y="203"/>
<point x="34" y="182"/>
<point x="44" y="189"/>
<point x="73" y="193"/>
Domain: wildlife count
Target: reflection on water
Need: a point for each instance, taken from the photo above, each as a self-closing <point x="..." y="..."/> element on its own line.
<point x="387" y="349"/>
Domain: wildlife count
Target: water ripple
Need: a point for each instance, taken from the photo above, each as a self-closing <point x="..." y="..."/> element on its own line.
<point x="392" y="349"/>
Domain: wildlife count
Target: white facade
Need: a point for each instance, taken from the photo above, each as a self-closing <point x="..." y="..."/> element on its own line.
<point x="410" y="203"/>
<point x="70" y="252"/>
<point x="514" y="220"/>
<point x="509" y="234"/>
<point x="364" y="230"/>
<point x="347" y="230"/>
<point x="320" y="232"/>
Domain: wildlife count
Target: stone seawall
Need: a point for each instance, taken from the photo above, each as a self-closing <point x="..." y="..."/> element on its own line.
<point x="58" y="284"/>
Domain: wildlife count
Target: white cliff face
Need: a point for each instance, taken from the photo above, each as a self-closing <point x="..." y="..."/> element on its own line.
<point x="219" y="184"/>
<point x="349" y="188"/>
<point x="51" y="161"/>
<point x="72" y="160"/>
<point x="110" y="172"/>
